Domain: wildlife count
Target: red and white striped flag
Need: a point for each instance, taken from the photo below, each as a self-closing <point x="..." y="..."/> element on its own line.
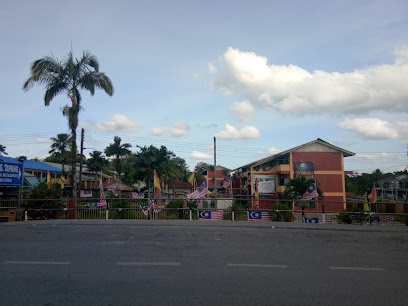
<point x="102" y="195"/>
<point x="257" y="215"/>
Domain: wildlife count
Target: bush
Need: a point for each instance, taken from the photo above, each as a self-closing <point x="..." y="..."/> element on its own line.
<point x="282" y="216"/>
<point x="49" y="202"/>
<point x="352" y="215"/>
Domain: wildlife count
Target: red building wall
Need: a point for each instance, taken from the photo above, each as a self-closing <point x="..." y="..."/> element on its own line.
<point x="323" y="161"/>
<point x="331" y="181"/>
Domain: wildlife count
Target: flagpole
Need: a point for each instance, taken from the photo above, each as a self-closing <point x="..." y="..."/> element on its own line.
<point x="215" y="171"/>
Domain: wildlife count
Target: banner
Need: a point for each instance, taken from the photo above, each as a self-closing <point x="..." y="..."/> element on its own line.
<point x="266" y="183"/>
<point x="303" y="169"/>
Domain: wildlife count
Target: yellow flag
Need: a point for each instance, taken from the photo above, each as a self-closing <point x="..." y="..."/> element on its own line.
<point x="157" y="188"/>
<point x="191" y="178"/>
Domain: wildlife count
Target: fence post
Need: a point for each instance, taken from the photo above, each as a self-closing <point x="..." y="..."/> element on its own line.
<point x="107" y="214"/>
<point x="191" y="215"/>
<point x="25" y="216"/>
<point x="233" y="216"/>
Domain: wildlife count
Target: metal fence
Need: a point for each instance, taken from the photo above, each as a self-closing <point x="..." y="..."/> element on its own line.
<point x="125" y="208"/>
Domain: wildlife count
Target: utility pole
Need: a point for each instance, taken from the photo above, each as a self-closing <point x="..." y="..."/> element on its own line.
<point x="215" y="171"/>
<point x="80" y="163"/>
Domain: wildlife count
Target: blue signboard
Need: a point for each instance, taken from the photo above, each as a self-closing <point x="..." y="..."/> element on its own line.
<point x="11" y="174"/>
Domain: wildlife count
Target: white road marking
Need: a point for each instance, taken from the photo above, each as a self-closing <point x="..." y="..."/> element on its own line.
<point x="38" y="262"/>
<point x="257" y="266"/>
<point x="135" y="263"/>
<point x="357" y="268"/>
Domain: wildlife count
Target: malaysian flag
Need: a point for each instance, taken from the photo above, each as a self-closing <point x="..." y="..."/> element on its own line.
<point x="327" y="219"/>
<point x="137" y="195"/>
<point x="257" y="215"/>
<point x="310" y="193"/>
<point x="157" y="208"/>
<point x="145" y="209"/>
<point x="86" y="193"/>
<point x="210" y="214"/>
<point x="115" y="193"/>
<point x="227" y="182"/>
<point x="102" y="195"/>
<point x="382" y="218"/>
<point x="311" y="220"/>
<point x="199" y="192"/>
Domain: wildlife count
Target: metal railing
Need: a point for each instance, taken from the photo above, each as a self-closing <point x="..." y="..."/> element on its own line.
<point x="125" y="208"/>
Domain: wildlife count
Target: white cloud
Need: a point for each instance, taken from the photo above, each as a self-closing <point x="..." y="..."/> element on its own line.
<point x="292" y="89"/>
<point x="211" y="68"/>
<point x="230" y="132"/>
<point x="159" y="131"/>
<point x="243" y="110"/>
<point x="42" y="140"/>
<point x="178" y="129"/>
<point x="373" y="128"/>
<point x="200" y="156"/>
<point x="119" y="122"/>
<point x="274" y="151"/>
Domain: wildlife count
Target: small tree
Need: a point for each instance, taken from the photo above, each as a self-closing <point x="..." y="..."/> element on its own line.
<point x="47" y="200"/>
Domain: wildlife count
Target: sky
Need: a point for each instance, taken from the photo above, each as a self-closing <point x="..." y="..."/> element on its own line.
<point x="260" y="76"/>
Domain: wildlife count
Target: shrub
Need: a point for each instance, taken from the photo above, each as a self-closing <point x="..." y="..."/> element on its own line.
<point x="352" y="215"/>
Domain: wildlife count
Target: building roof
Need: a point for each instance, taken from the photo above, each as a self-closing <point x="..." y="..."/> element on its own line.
<point x="317" y="141"/>
<point x="179" y="184"/>
<point x="31" y="164"/>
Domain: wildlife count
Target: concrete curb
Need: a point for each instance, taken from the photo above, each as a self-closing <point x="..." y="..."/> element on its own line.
<point x="213" y="224"/>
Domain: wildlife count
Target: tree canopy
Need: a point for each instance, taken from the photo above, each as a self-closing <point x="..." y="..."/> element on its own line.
<point x="69" y="77"/>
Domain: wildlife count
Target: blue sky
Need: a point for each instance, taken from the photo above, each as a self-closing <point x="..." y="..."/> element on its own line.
<point x="261" y="76"/>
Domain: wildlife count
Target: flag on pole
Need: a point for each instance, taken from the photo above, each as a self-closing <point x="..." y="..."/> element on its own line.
<point x="62" y="181"/>
<point x="256" y="189"/>
<point x="366" y="207"/>
<point x="227" y="182"/>
<point x="191" y="178"/>
<point x="102" y="202"/>
<point x="145" y="209"/>
<point x="157" y="208"/>
<point x="372" y="197"/>
<point x="115" y="193"/>
<point x="48" y="178"/>
<point x="310" y="193"/>
<point x="157" y="188"/>
<point x="200" y="192"/>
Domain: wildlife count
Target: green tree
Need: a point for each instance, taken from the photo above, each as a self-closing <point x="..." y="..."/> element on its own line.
<point x="296" y="188"/>
<point x="69" y="77"/>
<point x="141" y="165"/>
<point x="3" y="150"/>
<point x="202" y="167"/>
<point x="118" y="150"/>
<point x="97" y="162"/>
<point x="59" y="147"/>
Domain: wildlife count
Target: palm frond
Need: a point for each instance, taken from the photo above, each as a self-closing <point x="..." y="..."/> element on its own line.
<point x="53" y="90"/>
<point x="92" y="80"/>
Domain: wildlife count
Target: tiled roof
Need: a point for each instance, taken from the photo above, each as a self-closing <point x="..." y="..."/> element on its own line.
<point x="179" y="184"/>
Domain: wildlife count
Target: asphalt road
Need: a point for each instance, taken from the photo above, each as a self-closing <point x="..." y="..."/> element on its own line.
<point x="201" y="263"/>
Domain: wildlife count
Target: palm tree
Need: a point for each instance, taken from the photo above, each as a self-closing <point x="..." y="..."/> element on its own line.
<point x="59" y="147"/>
<point x="3" y="150"/>
<point x="69" y="77"/>
<point x="97" y="162"/>
<point x="119" y="151"/>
